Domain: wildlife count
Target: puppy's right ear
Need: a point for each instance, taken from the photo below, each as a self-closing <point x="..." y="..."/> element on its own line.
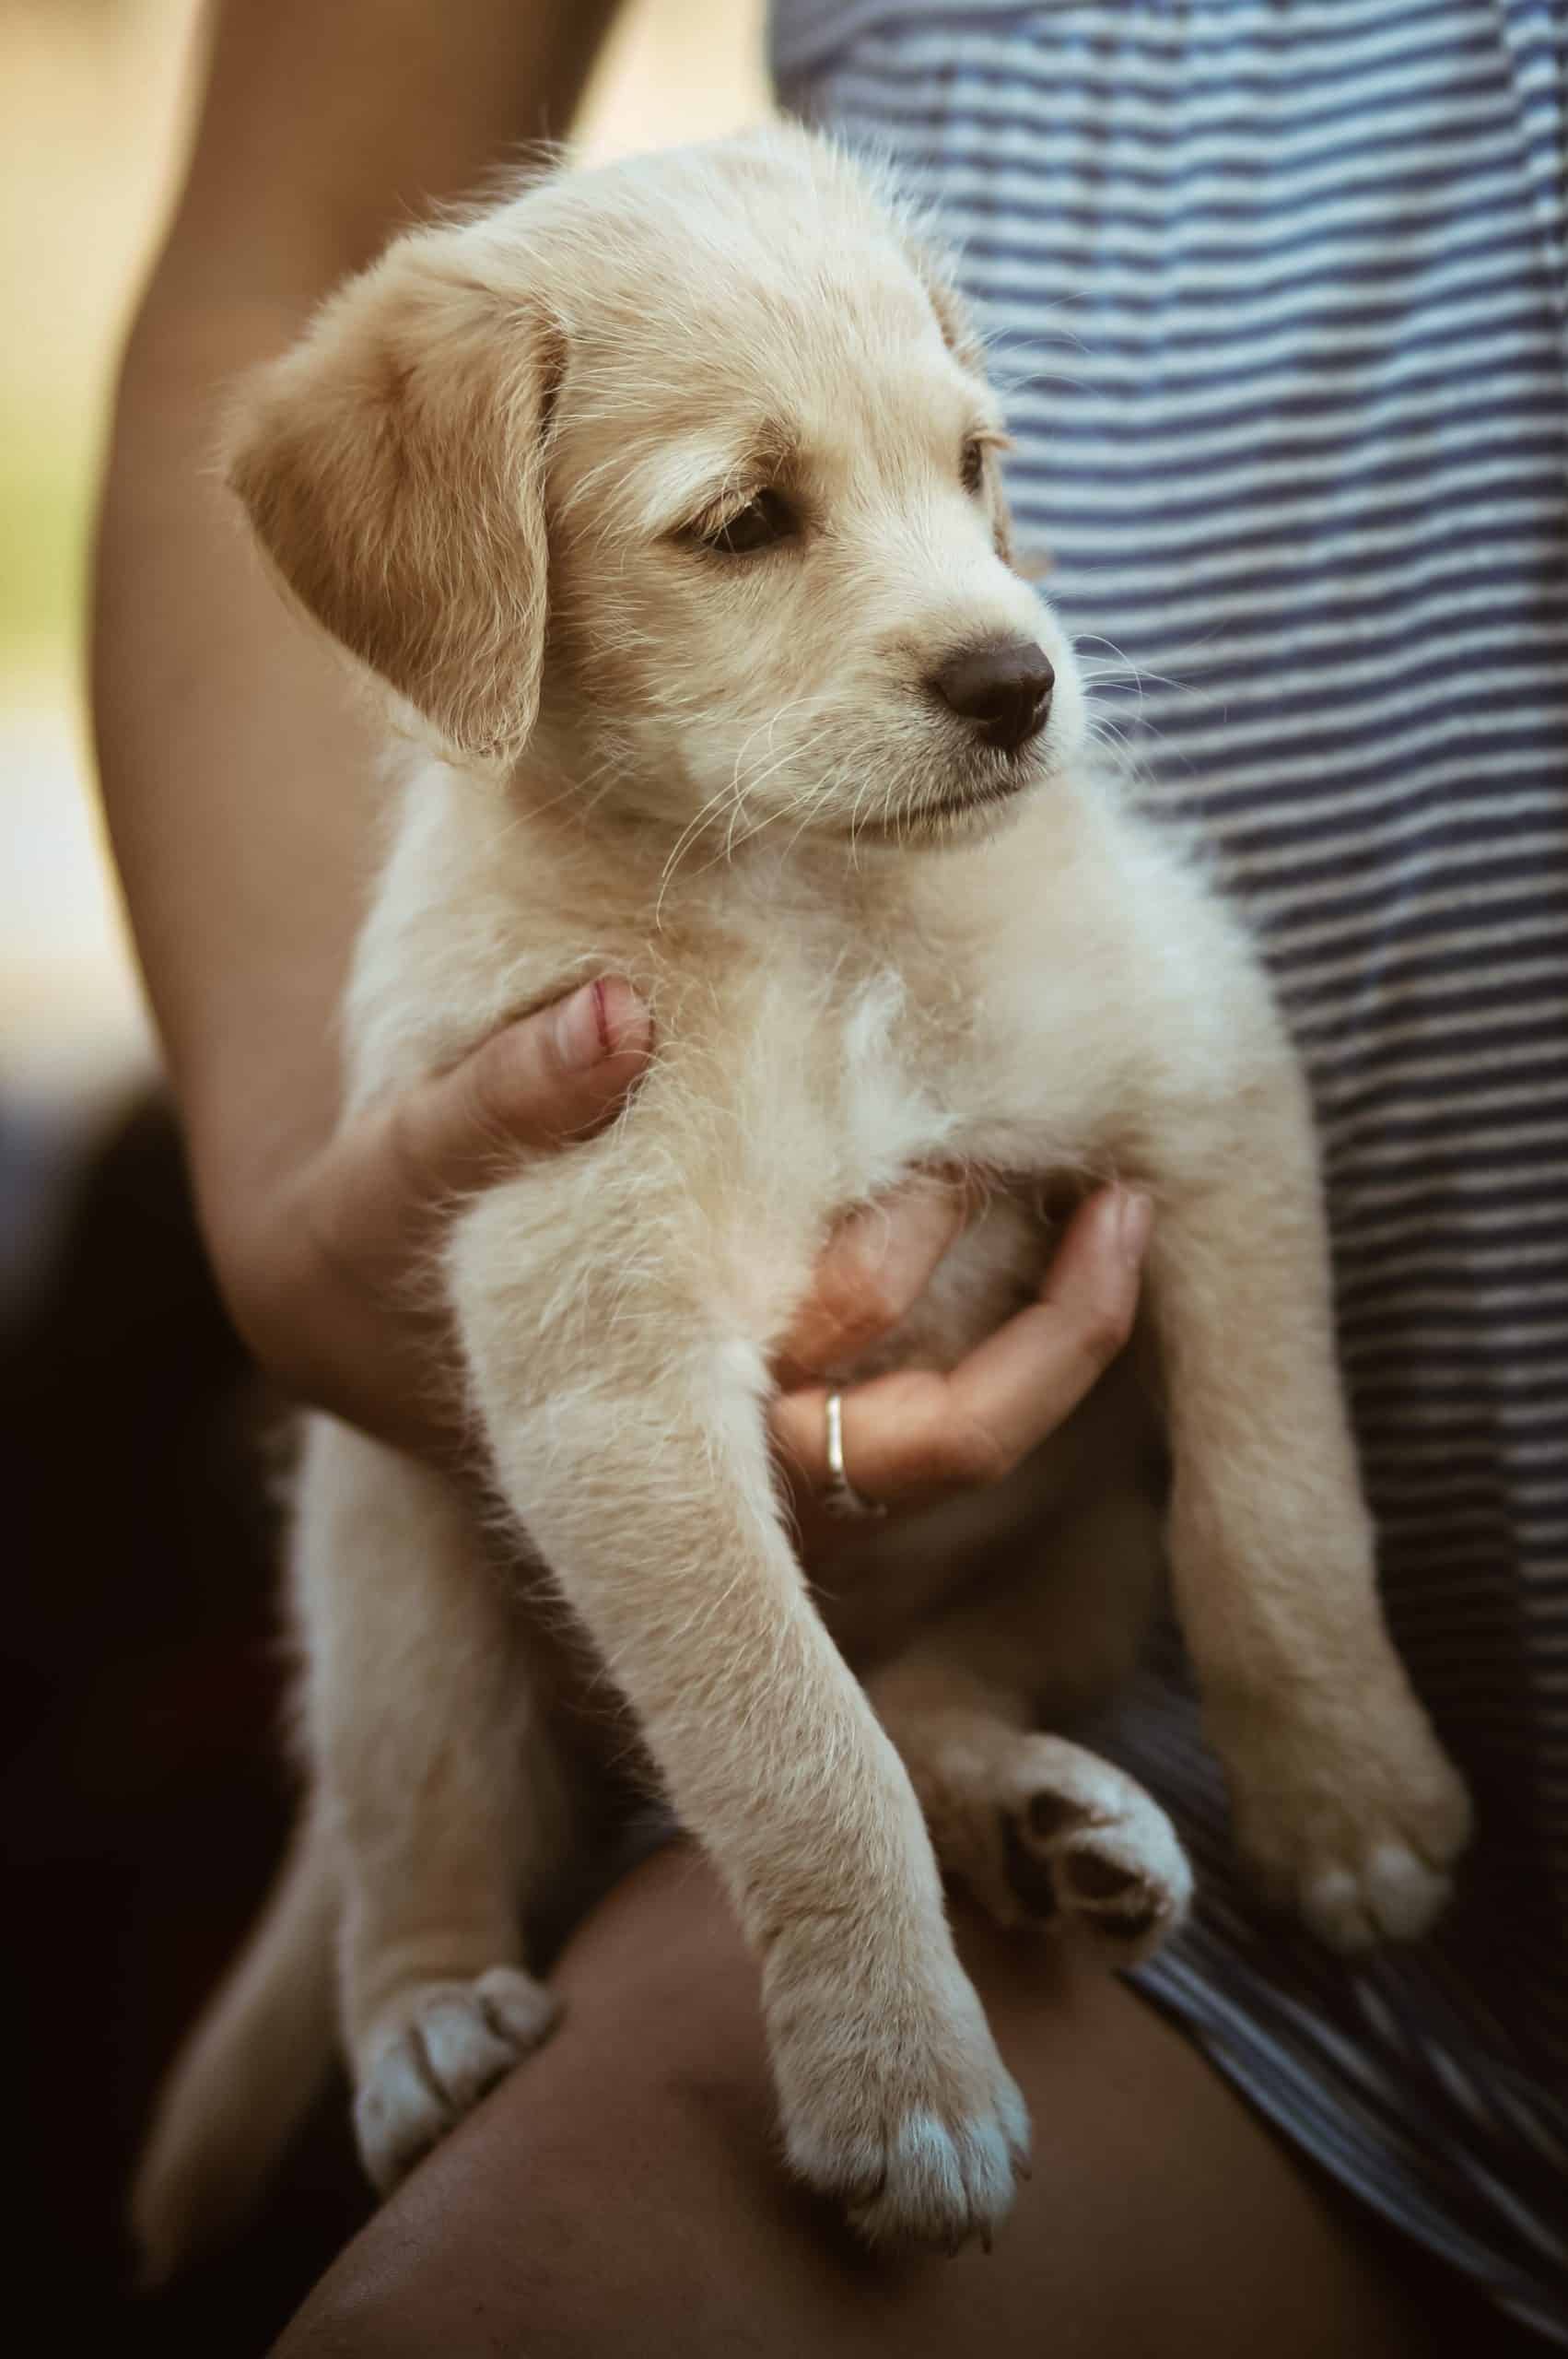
<point x="393" y="466"/>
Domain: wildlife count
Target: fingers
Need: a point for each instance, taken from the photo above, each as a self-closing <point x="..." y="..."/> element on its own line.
<point x="877" y="1265"/>
<point x="342" y="1307"/>
<point x="548" y="1078"/>
<point x="1020" y="1382"/>
<point x="916" y="1432"/>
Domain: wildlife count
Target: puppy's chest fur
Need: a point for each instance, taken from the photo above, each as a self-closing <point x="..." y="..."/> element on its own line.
<point x="912" y="1089"/>
<point x="818" y="1036"/>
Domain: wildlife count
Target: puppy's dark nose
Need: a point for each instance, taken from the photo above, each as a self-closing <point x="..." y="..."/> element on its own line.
<point x="1004" y="687"/>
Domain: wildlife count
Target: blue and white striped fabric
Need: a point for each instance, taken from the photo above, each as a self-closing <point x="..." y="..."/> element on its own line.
<point x="1278" y="292"/>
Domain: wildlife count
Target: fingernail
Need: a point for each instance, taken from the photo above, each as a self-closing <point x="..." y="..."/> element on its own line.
<point x="623" y="1017"/>
<point x="1136" y="1220"/>
<point x="582" y="1032"/>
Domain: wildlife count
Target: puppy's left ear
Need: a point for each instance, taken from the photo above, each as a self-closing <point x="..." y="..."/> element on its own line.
<point x="955" y="318"/>
<point x="963" y="339"/>
<point x="393" y="466"/>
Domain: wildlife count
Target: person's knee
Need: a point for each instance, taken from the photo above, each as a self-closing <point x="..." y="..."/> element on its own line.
<point x="624" y="2189"/>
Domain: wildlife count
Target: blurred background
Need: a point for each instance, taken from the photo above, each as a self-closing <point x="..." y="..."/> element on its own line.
<point x="142" y="1795"/>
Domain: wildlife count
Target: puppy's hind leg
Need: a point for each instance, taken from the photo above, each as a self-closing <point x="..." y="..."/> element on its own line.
<point x="1041" y="1830"/>
<point x="439" y="1781"/>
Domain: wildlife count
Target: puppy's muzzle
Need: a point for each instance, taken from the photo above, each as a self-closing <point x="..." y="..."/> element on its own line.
<point x="1002" y="688"/>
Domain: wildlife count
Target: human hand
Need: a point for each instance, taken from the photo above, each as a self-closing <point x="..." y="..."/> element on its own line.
<point x="916" y="1435"/>
<point x="336" y="1289"/>
<point x="336" y="1297"/>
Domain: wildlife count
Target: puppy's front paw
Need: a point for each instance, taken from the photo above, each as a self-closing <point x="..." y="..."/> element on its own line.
<point x="432" y="2058"/>
<point x="1350" y="1812"/>
<point x="895" y="2101"/>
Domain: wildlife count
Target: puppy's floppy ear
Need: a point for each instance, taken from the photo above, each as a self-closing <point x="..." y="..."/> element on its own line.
<point x="959" y="333"/>
<point x="393" y="466"/>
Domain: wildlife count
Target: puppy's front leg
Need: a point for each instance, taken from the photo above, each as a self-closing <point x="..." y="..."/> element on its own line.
<point x="631" y="1440"/>
<point x="1343" y="1800"/>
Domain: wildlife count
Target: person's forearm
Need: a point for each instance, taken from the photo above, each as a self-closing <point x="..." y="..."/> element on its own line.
<point x="236" y="765"/>
<point x="236" y="775"/>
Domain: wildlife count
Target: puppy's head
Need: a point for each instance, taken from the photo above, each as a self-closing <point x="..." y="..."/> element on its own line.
<point x="686" y="472"/>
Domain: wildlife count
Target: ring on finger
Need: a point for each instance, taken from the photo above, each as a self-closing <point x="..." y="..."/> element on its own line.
<point x="841" y="1496"/>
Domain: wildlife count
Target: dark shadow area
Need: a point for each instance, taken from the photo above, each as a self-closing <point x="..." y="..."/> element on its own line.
<point x="142" y="1798"/>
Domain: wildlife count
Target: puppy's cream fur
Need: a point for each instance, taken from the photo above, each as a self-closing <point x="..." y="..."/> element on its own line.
<point x="495" y="470"/>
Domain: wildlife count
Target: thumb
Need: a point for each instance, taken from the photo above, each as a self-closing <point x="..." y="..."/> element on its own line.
<point x="551" y="1077"/>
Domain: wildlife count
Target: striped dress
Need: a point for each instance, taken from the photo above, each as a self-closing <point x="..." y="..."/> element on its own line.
<point x="1277" y="292"/>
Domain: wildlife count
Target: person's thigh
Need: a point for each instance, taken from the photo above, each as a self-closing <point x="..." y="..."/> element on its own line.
<point x="624" y="2191"/>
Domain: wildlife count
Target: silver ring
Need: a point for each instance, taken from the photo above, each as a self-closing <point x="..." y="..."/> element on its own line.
<point x="841" y="1496"/>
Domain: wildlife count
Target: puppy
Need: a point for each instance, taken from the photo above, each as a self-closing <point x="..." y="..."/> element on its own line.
<point x="663" y="502"/>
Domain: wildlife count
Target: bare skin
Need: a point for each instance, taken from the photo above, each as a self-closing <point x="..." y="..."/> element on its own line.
<point x="627" y="2174"/>
<point x="622" y="2191"/>
<point x="238" y="772"/>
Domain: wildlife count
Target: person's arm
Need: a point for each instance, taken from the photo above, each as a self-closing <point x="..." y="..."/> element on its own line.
<point x="237" y="771"/>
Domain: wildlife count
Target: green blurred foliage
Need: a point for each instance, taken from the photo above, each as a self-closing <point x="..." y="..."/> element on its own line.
<point x="44" y="515"/>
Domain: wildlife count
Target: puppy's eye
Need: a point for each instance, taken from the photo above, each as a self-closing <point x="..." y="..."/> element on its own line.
<point x="765" y="519"/>
<point x="972" y="464"/>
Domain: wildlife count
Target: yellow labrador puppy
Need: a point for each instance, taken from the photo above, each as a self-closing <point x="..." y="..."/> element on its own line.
<point x="680" y="477"/>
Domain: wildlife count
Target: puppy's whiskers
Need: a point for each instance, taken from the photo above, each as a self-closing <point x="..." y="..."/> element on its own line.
<point x="693" y="828"/>
<point x="805" y="794"/>
<point x="743" y="793"/>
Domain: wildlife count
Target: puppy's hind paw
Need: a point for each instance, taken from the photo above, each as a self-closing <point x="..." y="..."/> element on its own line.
<point x="1070" y="1843"/>
<point x="1352" y="1815"/>
<point x="440" y="2050"/>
